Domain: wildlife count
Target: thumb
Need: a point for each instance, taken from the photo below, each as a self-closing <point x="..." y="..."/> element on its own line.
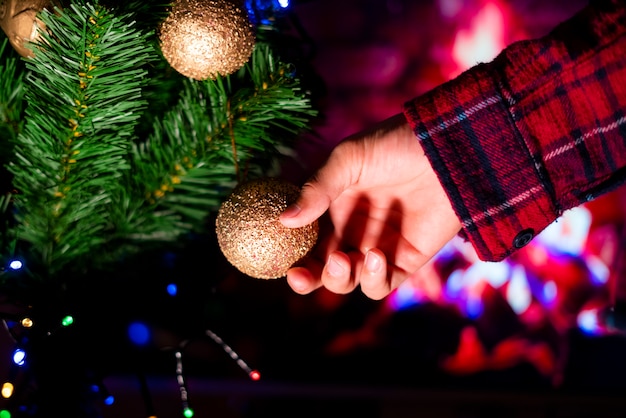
<point x="317" y="194"/>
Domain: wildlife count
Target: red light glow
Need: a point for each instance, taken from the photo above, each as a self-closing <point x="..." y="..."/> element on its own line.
<point x="482" y="41"/>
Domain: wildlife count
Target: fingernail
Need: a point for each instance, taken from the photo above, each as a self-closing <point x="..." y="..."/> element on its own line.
<point x="372" y="262"/>
<point x="291" y="212"/>
<point x="334" y="268"/>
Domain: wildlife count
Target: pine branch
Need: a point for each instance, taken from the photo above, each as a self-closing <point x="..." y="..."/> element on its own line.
<point x="84" y="100"/>
<point x="89" y="188"/>
<point x="11" y="96"/>
<point x="184" y="170"/>
<point x="11" y="122"/>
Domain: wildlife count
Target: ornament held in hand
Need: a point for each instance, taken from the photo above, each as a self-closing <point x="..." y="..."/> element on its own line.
<point x="18" y="20"/>
<point x="204" y="39"/>
<point x="250" y="234"/>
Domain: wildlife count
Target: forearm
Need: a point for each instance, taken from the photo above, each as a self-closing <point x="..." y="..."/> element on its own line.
<point x="539" y="130"/>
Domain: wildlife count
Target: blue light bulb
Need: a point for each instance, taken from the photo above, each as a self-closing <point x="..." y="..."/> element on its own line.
<point x="19" y="357"/>
<point x="138" y="333"/>
<point x="172" y="289"/>
<point x="15" y="265"/>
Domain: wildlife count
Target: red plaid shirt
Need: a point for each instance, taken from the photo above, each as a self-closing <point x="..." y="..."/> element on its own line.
<point x="537" y="131"/>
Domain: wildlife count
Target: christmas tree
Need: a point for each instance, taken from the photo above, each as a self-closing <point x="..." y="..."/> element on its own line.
<point x="111" y="154"/>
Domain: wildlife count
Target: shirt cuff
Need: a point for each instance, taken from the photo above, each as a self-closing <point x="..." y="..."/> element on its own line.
<point x="501" y="196"/>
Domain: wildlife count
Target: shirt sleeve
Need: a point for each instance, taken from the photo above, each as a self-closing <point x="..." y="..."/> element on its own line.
<point x="539" y="130"/>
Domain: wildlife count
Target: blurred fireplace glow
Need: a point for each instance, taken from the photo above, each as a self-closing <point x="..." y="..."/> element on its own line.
<point x="554" y="263"/>
<point x="518" y="309"/>
<point x="557" y="261"/>
<point x="482" y="41"/>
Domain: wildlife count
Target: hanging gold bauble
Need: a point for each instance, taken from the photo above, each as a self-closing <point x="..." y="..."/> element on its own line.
<point x="250" y="234"/>
<point x="18" y="20"/>
<point x="201" y="39"/>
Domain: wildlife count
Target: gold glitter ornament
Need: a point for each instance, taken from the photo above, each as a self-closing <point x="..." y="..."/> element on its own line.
<point x="201" y="39"/>
<point x="250" y="234"/>
<point x="18" y="20"/>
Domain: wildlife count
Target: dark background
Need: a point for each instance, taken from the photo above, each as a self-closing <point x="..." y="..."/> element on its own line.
<point x="330" y="355"/>
<point x="325" y="354"/>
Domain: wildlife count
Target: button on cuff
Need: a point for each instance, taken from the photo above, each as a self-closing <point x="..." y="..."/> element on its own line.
<point x="523" y="238"/>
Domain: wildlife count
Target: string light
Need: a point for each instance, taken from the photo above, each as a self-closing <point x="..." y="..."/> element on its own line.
<point x="138" y="333"/>
<point x="15" y="265"/>
<point x="265" y="11"/>
<point x="187" y="412"/>
<point x="5" y="414"/>
<point x="253" y="374"/>
<point x="67" y="321"/>
<point x="27" y="322"/>
<point x="145" y="394"/>
<point x="99" y="388"/>
<point x="7" y="390"/>
<point x="19" y="357"/>
<point x="172" y="289"/>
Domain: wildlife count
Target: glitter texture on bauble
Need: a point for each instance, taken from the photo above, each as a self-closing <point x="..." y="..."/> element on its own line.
<point x="250" y="233"/>
<point x="204" y="39"/>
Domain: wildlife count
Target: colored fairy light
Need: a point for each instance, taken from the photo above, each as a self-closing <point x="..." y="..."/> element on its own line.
<point x="109" y="400"/>
<point x="265" y="12"/>
<point x="26" y="322"/>
<point x="16" y="264"/>
<point x="242" y="364"/>
<point x="7" y="390"/>
<point x="138" y="333"/>
<point x="182" y="387"/>
<point x="255" y="375"/>
<point x="67" y="321"/>
<point x="172" y="289"/>
<point x="5" y="414"/>
<point x="19" y="357"/>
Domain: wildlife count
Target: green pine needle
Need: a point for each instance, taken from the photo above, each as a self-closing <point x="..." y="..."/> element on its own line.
<point x="11" y="95"/>
<point x="115" y="151"/>
<point x="84" y="96"/>
<point x="188" y="165"/>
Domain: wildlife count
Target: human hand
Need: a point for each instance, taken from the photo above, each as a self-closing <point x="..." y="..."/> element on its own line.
<point x="385" y="214"/>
